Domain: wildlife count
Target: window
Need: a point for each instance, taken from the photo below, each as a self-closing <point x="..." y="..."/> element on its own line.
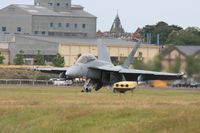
<point x="50" y="4"/>
<point x="67" y="4"/>
<point x="51" y="33"/>
<point x="59" y="24"/>
<point x="75" y="25"/>
<point x="19" y="29"/>
<point x="3" y="28"/>
<point x="51" y="24"/>
<point x="67" y="25"/>
<point x="58" y="4"/>
<point x="83" y="26"/>
<point x="43" y="32"/>
<point x="37" y="3"/>
<point x="36" y="32"/>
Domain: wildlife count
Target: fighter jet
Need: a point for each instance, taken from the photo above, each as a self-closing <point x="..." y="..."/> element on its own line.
<point x="100" y="71"/>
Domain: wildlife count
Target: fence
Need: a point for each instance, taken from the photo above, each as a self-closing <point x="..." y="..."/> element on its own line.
<point x="35" y="82"/>
<point x="25" y="82"/>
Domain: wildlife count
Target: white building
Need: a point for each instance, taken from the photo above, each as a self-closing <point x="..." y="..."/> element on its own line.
<point x="48" y="18"/>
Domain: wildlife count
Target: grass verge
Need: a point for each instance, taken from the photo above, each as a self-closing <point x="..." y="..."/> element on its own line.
<point x="67" y="110"/>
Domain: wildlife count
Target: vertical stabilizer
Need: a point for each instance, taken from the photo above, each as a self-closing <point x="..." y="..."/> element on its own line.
<point x="130" y="58"/>
<point x="102" y="51"/>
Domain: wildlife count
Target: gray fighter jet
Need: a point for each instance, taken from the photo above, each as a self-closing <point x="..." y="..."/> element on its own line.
<point x="101" y="72"/>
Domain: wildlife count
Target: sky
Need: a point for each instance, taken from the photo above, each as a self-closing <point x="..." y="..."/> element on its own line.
<point x="136" y="13"/>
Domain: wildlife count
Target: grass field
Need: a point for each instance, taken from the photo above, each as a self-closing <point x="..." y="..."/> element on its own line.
<point x="67" y="110"/>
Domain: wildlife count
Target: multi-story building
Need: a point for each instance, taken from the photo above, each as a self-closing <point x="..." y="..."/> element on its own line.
<point x="57" y="26"/>
<point x="48" y="18"/>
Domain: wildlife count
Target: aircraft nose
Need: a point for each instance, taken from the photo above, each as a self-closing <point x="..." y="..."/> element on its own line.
<point x="72" y="72"/>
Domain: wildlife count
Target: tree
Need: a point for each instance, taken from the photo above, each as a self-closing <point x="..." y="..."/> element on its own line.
<point x="116" y="62"/>
<point x="161" y="28"/>
<point x="175" y="68"/>
<point x="189" y="36"/>
<point x="58" y="60"/>
<point x="39" y="59"/>
<point x="139" y="64"/>
<point x="1" y="58"/>
<point x="19" y="58"/>
<point x="157" y="63"/>
<point x="193" y="66"/>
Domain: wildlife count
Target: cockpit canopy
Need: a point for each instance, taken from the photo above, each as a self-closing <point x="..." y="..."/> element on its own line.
<point x="85" y="58"/>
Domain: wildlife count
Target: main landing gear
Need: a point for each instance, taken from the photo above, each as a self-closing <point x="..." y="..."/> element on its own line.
<point x="88" y="86"/>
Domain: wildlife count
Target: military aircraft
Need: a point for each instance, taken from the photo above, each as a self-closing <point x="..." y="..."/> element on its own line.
<point x="101" y="72"/>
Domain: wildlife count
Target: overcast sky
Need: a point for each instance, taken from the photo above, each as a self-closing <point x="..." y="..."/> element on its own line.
<point x="136" y="13"/>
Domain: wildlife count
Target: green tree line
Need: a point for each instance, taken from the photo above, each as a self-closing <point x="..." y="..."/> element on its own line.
<point x="39" y="59"/>
<point x="171" y="34"/>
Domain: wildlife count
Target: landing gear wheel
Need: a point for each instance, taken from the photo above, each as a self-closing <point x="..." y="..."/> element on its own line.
<point x="89" y="85"/>
<point x="88" y="90"/>
<point x="114" y="91"/>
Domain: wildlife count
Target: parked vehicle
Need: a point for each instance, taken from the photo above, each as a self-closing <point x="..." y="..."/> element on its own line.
<point x="62" y="82"/>
<point x="194" y="85"/>
<point x="186" y="83"/>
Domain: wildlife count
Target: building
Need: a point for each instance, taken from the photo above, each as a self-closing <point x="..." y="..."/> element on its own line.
<point x="52" y="27"/>
<point x="117" y="30"/>
<point x="118" y="50"/>
<point x="70" y="48"/>
<point x="30" y="46"/>
<point x="4" y="52"/>
<point x="20" y="25"/>
<point x="48" y="18"/>
<point x="137" y="35"/>
<point x="172" y="53"/>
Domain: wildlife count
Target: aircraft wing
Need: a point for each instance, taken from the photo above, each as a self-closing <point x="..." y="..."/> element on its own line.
<point x="53" y="70"/>
<point x="133" y="74"/>
<point x="149" y="75"/>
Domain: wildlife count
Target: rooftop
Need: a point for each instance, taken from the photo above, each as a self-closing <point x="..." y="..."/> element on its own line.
<point x="189" y="50"/>
<point x="185" y="50"/>
<point x="117" y="26"/>
<point x="79" y="40"/>
<point x="83" y="41"/>
<point x="77" y="11"/>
